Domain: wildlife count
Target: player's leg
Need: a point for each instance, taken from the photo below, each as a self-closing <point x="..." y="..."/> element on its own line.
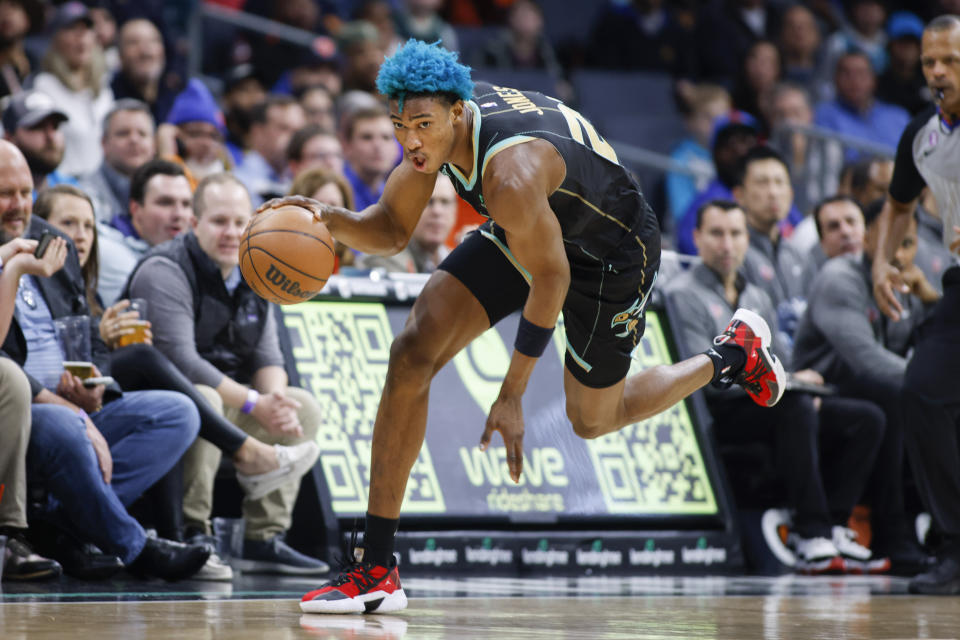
<point x="475" y="287"/>
<point x="445" y="318"/>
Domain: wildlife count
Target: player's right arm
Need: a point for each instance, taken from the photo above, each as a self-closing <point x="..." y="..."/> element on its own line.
<point x="383" y="228"/>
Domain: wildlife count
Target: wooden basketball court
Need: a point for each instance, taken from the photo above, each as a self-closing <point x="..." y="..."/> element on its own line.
<point x="788" y="607"/>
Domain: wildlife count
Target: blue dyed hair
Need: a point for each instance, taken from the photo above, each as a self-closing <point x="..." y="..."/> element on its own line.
<point x="418" y="68"/>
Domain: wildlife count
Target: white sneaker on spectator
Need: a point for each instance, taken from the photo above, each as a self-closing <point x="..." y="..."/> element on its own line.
<point x="294" y="462"/>
<point x="856" y="557"/>
<point x="815" y="555"/>
<point x="215" y="570"/>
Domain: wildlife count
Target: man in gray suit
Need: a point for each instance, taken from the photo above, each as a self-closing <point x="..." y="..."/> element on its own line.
<point x="844" y="336"/>
<point x="849" y="431"/>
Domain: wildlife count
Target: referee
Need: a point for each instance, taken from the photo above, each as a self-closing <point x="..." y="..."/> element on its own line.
<point x="929" y="155"/>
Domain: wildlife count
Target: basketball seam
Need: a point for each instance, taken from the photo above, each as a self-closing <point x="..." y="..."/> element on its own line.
<point x="295" y="232"/>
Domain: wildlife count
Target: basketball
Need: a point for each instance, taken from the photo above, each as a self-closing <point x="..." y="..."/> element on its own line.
<point x="286" y="255"/>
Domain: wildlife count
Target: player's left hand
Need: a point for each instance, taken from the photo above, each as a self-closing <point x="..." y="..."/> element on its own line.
<point x="506" y="416"/>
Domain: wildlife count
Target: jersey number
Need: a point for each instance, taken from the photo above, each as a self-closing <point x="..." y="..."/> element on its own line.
<point x="578" y="124"/>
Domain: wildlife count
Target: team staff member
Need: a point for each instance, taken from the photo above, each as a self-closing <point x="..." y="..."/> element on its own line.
<point x="929" y="155"/>
<point x="569" y="231"/>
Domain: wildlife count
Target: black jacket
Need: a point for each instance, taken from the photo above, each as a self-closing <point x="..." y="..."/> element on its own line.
<point x="64" y="293"/>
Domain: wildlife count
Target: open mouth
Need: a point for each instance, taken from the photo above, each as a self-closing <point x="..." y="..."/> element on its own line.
<point x="419" y="162"/>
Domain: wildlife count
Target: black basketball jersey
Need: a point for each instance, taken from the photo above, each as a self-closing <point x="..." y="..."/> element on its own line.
<point x="599" y="204"/>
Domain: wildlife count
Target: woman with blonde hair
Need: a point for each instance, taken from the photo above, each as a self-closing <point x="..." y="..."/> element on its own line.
<point x="74" y="75"/>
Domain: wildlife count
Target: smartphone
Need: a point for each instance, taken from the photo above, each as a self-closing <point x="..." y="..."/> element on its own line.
<point x="43" y="243"/>
<point x="92" y="382"/>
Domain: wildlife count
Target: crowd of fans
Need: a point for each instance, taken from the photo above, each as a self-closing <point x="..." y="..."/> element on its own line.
<point x="146" y="177"/>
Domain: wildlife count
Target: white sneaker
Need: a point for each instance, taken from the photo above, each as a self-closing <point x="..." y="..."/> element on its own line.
<point x="294" y="462"/>
<point x="215" y="570"/>
<point x="856" y="557"/>
<point x="816" y="555"/>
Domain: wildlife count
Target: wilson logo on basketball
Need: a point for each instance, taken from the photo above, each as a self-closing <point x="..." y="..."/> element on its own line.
<point x="280" y="279"/>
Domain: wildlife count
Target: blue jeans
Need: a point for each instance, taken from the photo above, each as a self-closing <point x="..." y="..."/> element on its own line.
<point x="147" y="432"/>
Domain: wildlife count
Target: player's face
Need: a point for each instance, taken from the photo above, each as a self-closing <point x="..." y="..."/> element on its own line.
<point x="722" y="239"/>
<point x="74" y="216"/>
<point x="940" y="61"/>
<point x="766" y="193"/>
<point x="425" y="129"/>
<point x="841" y="229"/>
<point x="223" y="218"/>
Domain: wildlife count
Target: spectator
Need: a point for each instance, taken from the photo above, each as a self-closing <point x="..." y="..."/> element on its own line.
<point x="242" y="91"/>
<point x="128" y="142"/>
<point x="329" y="188"/>
<point x="734" y="134"/>
<point x="134" y="438"/>
<point x="764" y="192"/>
<point x="142" y="74"/>
<point x="522" y="44"/>
<point x="759" y="75"/>
<point x="314" y="147"/>
<point x="74" y="75"/>
<point x="32" y="122"/>
<point x="198" y="133"/>
<point x="379" y="13"/>
<point x="371" y="152"/>
<point x="421" y="19"/>
<point x="855" y="111"/>
<point x="704" y="105"/>
<point x="359" y="43"/>
<point x="264" y="169"/>
<point x="105" y="28"/>
<point x="862" y="33"/>
<point x="843" y="336"/>
<point x="223" y="337"/>
<point x="640" y="34"/>
<point x="319" y="65"/>
<point x="426" y="248"/>
<point x="868" y="180"/>
<point x="160" y="208"/>
<point x="849" y="429"/>
<point x="803" y="63"/>
<point x="20" y="563"/>
<point x="140" y="367"/>
<point x="272" y="56"/>
<point x="932" y="257"/>
<point x="318" y="107"/>
<point x="17" y="19"/>
<point x="814" y="164"/>
<point x="902" y="84"/>
<point x="724" y="32"/>
<point x="840" y="228"/>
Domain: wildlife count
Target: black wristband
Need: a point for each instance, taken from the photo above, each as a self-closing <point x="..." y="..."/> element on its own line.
<point x="532" y="339"/>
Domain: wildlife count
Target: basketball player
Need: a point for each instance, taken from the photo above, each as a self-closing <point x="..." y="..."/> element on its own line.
<point x="568" y="231"/>
<point x="929" y="155"/>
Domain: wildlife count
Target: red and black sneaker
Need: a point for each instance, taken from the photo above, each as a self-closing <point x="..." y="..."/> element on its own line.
<point x="763" y="376"/>
<point x="361" y="587"/>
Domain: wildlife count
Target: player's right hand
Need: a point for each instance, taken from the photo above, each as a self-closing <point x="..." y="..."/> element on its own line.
<point x="311" y="205"/>
<point x="506" y="416"/>
<point x="886" y="279"/>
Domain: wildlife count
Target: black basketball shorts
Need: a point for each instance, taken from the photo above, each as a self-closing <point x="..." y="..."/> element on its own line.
<point x="603" y="313"/>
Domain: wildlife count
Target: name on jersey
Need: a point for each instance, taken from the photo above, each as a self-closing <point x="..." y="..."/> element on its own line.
<point x="517" y="100"/>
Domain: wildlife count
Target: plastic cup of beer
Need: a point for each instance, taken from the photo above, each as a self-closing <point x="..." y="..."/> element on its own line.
<point x="73" y="335"/>
<point x="139" y="326"/>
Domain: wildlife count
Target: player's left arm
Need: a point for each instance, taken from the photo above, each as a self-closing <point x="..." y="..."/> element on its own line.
<point x="516" y="185"/>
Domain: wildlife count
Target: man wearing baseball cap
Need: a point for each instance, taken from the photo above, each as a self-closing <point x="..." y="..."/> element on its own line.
<point x="31" y="121"/>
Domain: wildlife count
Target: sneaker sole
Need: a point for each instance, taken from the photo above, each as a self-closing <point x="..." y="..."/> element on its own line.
<point x="834" y="566"/>
<point x="255" y="490"/>
<point x="374" y="602"/>
<point x="867" y="567"/>
<point x="760" y="329"/>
